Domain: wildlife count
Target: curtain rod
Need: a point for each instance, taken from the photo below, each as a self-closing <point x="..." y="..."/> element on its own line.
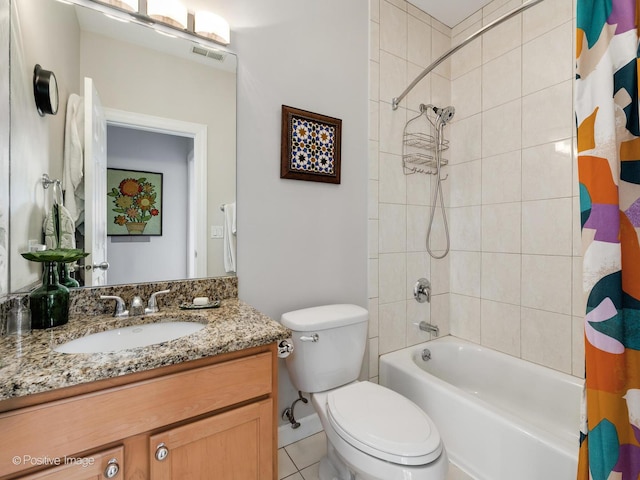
<point x="396" y="101"/>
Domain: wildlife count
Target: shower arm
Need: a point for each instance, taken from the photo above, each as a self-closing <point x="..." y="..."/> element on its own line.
<point x="396" y="101"/>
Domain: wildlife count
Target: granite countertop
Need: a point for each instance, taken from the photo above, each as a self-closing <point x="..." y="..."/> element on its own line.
<point x="29" y="365"/>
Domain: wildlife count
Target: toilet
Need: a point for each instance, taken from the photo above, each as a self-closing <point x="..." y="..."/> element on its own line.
<point x="373" y="433"/>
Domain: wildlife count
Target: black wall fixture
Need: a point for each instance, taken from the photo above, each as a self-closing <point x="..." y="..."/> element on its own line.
<point x="45" y="91"/>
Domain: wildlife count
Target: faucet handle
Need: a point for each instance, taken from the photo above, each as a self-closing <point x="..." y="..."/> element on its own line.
<point x="152" y="306"/>
<point x="120" y="310"/>
<point x="422" y="290"/>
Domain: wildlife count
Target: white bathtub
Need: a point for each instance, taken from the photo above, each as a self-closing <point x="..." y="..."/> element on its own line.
<point x="501" y="418"/>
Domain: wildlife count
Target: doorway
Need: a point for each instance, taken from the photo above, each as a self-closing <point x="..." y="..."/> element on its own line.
<point x="178" y="150"/>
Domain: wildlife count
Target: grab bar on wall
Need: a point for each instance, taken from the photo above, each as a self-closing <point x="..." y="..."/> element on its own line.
<point x="396" y="101"/>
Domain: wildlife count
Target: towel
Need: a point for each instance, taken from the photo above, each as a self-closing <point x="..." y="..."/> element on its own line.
<point x="59" y="228"/>
<point x="229" y="237"/>
<point x="73" y="167"/>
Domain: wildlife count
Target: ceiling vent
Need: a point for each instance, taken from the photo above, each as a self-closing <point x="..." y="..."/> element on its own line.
<point x="205" y="52"/>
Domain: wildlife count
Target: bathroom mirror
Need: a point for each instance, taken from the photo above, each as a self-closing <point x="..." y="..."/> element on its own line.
<point x="154" y="90"/>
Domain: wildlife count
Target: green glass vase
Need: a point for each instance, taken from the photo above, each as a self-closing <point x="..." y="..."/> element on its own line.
<point x="50" y="302"/>
<point x="64" y="272"/>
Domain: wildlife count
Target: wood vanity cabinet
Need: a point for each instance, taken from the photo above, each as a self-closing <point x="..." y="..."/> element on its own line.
<point x="207" y="419"/>
<point x="105" y="464"/>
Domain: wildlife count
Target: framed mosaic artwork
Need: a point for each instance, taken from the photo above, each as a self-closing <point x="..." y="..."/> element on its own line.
<point x="310" y="146"/>
<point x="134" y="202"/>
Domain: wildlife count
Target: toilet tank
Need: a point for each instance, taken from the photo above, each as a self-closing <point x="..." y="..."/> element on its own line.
<point x="329" y="343"/>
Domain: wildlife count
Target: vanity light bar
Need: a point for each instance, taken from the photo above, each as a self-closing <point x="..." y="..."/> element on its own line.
<point x="128" y="5"/>
<point x="171" y="12"/>
<point x="111" y="8"/>
<point x="212" y="26"/>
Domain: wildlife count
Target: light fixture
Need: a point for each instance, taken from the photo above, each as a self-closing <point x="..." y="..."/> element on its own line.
<point x="212" y="26"/>
<point x="128" y="5"/>
<point x="169" y="17"/>
<point x="170" y="12"/>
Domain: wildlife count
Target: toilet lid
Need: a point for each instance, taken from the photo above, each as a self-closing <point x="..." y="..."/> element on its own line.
<point x="383" y="424"/>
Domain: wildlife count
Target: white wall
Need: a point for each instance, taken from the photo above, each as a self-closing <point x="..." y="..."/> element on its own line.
<point x="36" y="142"/>
<point x="134" y="259"/>
<point x="4" y="149"/>
<point x="300" y="243"/>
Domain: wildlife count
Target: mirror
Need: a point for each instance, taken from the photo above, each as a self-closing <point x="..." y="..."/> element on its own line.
<point x="153" y="88"/>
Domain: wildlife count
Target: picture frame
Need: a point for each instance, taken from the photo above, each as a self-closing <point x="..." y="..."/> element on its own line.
<point x="310" y="146"/>
<point x="134" y="203"/>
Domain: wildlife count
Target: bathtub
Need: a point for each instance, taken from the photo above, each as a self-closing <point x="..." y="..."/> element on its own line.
<point x="500" y="417"/>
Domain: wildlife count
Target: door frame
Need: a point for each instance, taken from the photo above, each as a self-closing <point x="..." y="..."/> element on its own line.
<point x="197" y="220"/>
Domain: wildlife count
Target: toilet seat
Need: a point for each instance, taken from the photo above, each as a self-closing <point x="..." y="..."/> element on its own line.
<point x="383" y="423"/>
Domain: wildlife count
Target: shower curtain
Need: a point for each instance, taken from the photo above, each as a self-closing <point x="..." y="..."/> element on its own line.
<point x="606" y="106"/>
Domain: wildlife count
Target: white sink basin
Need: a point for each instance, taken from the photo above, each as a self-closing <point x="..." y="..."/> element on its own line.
<point x="129" y="337"/>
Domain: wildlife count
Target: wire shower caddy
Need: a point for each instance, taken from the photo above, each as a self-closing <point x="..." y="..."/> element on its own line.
<point x="421" y="150"/>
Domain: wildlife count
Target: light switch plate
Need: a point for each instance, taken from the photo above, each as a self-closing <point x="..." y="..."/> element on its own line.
<point x="216" y="231"/>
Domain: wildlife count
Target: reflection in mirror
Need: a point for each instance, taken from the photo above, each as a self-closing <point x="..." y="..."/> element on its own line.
<point x="170" y="105"/>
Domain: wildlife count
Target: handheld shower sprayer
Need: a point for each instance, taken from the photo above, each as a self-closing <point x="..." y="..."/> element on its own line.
<point x="445" y="114"/>
<point x="442" y="117"/>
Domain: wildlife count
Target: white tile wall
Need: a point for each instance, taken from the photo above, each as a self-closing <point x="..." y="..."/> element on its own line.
<point x="548" y="115"/>
<point x="502" y="128"/>
<point x="500" y="277"/>
<point x="548" y="169"/>
<point x="537" y="71"/>
<point x="547" y="226"/>
<point x="512" y="280"/>
<point x="404" y="41"/>
<point x="470" y="129"/>
<point x="507" y="186"/>
<point x="502" y="79"/>
<point x="500" y="326"/>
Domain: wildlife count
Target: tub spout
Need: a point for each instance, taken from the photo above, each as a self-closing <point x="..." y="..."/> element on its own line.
<point x="427" y="327"/>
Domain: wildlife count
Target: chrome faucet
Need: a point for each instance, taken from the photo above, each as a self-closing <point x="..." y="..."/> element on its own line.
<point x="136" y="307"/>
<point x="120" y="310"/>
<point x="427" y="327"/>
<point x="152" y="306"/>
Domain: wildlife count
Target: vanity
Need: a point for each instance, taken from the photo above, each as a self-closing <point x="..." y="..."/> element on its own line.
<point x="201" y="406"/>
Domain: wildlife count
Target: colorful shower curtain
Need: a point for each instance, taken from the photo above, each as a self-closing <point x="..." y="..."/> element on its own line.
<point x="607" y="117"/>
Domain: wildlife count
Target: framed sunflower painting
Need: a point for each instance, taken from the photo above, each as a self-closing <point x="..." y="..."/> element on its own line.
<point x="134" y="203"/>
<point x="311" y="146"/>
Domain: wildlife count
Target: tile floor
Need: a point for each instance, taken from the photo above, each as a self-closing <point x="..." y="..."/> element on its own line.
<point x="300" y="460"/>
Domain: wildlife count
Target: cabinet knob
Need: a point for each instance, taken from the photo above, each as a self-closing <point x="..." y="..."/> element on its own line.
<point x="112" y="469"/>
<point x="162" y="452"/>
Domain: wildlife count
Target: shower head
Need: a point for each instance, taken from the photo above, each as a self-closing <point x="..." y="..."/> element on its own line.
<point x="445" y="115"/>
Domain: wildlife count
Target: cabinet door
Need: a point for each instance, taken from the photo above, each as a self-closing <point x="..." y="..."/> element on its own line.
<point x="237" y="444"/>
<point x="94" y="466"/>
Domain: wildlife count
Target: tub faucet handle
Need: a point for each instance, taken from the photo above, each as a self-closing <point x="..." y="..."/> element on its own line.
<point x="422" y="290"/>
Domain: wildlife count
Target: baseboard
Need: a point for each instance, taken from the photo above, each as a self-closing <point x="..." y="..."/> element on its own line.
<point x="309" y="425"/>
